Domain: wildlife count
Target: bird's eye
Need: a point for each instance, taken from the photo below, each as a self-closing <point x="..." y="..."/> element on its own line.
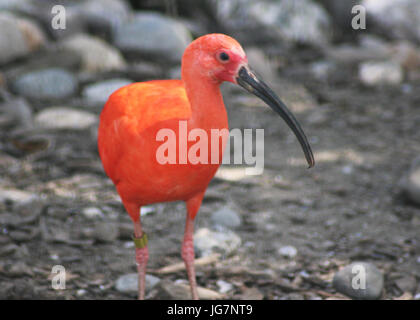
<point x="223" y="56"/>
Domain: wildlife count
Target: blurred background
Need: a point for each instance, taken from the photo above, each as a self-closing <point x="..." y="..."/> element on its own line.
<point x="290" y="233"/>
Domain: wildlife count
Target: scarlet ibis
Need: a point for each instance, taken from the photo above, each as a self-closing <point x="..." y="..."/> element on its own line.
<point x="134" y="114"/>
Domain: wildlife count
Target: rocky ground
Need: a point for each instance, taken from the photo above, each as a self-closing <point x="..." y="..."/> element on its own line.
<point x="290" y="233"/>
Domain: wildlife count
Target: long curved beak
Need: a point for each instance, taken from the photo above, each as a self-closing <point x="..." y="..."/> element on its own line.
<point x="247" y="79"/>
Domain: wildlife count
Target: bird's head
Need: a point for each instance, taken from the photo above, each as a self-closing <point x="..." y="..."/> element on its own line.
<point x="218" y="58"/>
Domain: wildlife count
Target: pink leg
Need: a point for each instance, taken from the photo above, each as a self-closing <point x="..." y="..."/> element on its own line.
<point x="142" y="255"/>
<point x="188" y="255"/>
<point x="188" y="244"/>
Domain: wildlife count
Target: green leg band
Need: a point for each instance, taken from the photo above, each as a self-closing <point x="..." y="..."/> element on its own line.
<point x="140" y="243"/>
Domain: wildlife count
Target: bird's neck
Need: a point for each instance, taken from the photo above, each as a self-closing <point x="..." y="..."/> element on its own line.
<point x="205" y="99"/>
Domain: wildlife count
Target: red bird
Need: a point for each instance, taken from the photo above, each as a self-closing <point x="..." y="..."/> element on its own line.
<point x="128" y="137"/>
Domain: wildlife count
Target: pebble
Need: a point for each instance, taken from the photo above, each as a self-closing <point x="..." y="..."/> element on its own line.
<point x="224" y="286"/>
<point x="207" y="242"/>
<point x="18" y="111"/>
<point x="105" y="232"/>
<point x="103" y="15"/>
<point x="64" y="118"/>
<point x="81" y="292"/>
<point x="128" y="283"/>
<point x="302" y="21"/>
<point x="99" y="92"/>
<point x="407" y="284"/>
<point x="153" y="36"/>
<point x="92" y="213"/>
<point x="288" y="252"/>
<point x="180" y="291"/>
<point x="16" y="196"/>
<point x="380" y="73"/>
<point x="343" y="281"/>
<point x="96" y="54"/>
<point x="398" y="18"/>
<point x="18" y="37"/>
<point x="322" y="69"/>
<point x="411" y="183"/>
<point x="46" y="84"/>
<point x="226" y="217"/>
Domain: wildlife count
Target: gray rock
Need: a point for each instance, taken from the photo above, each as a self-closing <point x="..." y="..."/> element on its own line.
<point x="105" y="232"/>
<point x="341" y="11"/>
<point x="180" y="291"/>
<point x="98" y="93"/>
<point x="47" y="84"/>
<point x="128" y="283"/>
<point x="407" y="284"/>
<point x="17" y="112"/>
<point x="16" y="196"/>
<point x="96" y="54"/>
<point x="398" y="18"/>
<point x="411" y="183"/>
<point x="349" y="281"/>
<point x="288" y="252"/>
<point x="293" y="20"/>
<point x="322" y="69"/>
<point x="92" y="213"/>
<point x="380" y="73"/>
<point x="207" y="242"/>
<point x="153" y="36"/>
<point x="18" y="37"/>
<point x="65" y="118"/>
<point x="226" y="217"/>
<point x="104" y="15"/>
<point x="224" y="286"/>
<point x="261" y="64"/>
<point x="13" y="5"/>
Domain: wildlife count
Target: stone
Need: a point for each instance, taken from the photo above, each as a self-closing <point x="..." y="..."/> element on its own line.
<point x="46" y="84"/>
<point x="288" y="252"/>
<point x="128" y="283"/>
<point x="411" y="183"/>
<point x="152" y="36"/>
<point x="400" y="19"/>
<point x="407" y="55"/>
<point x="322" y="69"/>
<point x="224" y="286"/>
<point x="380" y="73"/>
<point x="226" y="217"/>
<point x="18" y="37"/>
<point x="96" y="54"/>
<point x="407" y="283"/>
<point x="105" y="232"/>
<point x="92" y="213"/>
<point x="103" y="15"/>
<point x="16" y="196"/>
<point x="179" y="291"/>
<point x="251" y="294"/>
<point x="64" y="118"/>
<point x="350" y="281"/>
<point x="17" y="111"/>
<point x="260" y="63"/>
<point x="302" y="21"/>
<point x="99" y="92"/>
<point x="207" y="242"/>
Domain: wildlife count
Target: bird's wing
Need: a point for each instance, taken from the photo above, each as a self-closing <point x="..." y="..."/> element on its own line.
<point x="151" y="102"/>
<point x="132" y="109"/>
